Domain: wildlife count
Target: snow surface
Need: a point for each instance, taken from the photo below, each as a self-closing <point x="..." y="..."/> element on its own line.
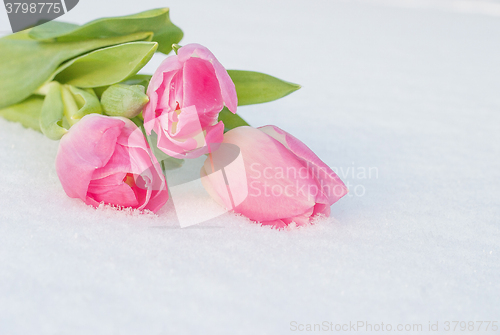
<point x="407" y="90"/>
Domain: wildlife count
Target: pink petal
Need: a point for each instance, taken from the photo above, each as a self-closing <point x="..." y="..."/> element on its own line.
<point x="103" y="185"/>
<point x="170" y="64"/>
<point x="100" y="160"/>
<point x="331" y="185"/>
<point x="277" y="224"/>
<point x="164" y="73"/>
<point x="170" y="92"/>
<point x="119" y="162"/>
<point x="86" y="147"/>
<point x="228" y="89"/>
<point x="175" y="92"/>
<point x="157" y="200"/>
<point x="122" y="195"/>
<point x="188" y="124"/>
<point x="271" y="196"/>
<point x="201" y="89"/>
<point x="190" y="141"/>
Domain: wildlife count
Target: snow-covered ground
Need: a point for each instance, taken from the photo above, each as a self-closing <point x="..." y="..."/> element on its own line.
<point x="405" y="91"/>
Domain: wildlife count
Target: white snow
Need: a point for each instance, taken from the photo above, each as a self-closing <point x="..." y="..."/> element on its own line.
<point x="407" y="94"/>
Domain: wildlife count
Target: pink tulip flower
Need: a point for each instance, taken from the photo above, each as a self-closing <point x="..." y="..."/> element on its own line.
<point x="107" y="160"/>
<point x="279" y="181"/>
<point x="186" y="94"/>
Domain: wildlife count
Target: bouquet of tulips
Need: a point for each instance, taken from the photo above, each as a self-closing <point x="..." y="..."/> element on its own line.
<point x="121" y="132"/>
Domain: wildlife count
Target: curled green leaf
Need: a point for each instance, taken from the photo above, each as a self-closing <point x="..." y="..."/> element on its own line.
<point x="78" y="103"/>
<point x="51" y="117"/>
<point x="255" y="87"/>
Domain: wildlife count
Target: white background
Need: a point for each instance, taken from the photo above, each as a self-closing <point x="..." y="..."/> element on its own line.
<point x="409" y="88"/>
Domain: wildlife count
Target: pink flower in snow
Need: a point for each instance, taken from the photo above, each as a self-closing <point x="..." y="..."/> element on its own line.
<point x="186" y="94"/>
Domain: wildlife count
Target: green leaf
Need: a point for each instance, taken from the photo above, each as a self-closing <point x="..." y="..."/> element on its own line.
<point x="231" y="120"/>
<point x="79" y="102"/>
<point x="156" y="21"/>
<point x="106" y="66"/>
<point x="51" y="118"/>
<point x="26" y="64"/>
<point x="138" y="79"/>
<point x="51" y="28"/>
<point x="255" y="87"/>
<point x="27" y="112"/>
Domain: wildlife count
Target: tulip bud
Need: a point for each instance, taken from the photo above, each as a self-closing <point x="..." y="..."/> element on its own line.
<point x="107" y="159"/>
<point x="187" y="93"/>
<point x="124" y="100"/>
<point x="279" y="180"/>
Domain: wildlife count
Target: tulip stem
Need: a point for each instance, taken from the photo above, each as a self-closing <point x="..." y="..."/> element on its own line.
<point x="163" y="169"/>
<point x="211" y="162"/>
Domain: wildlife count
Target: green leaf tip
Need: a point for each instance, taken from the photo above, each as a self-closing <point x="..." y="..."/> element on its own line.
<point x="79" y="102"/>
<point x="255" y="87"/>
<point x="176" y="47"/>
